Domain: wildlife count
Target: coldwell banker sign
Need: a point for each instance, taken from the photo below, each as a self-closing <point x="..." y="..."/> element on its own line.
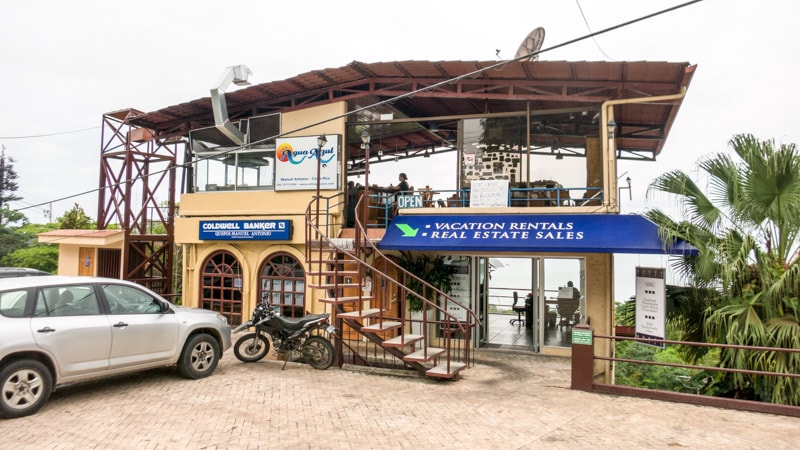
<point x="296" y="162"/>
<point x="245" y="230"/>
<point x="579" y="233"/>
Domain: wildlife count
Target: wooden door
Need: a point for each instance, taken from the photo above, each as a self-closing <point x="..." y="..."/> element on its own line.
<point x="86" y="260"/>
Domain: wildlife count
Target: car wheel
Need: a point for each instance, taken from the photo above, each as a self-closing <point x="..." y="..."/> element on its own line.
<point x="318" y="352"/>
<point x="251" y="347"/>
<point x="26" y="385"/>
<point x="200" y="356"/>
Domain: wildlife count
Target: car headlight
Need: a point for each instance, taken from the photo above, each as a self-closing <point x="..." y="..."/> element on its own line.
<point x="222" y="319"/>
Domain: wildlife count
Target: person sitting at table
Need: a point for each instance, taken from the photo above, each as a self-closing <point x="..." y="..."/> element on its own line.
<point x="402" y="187"/>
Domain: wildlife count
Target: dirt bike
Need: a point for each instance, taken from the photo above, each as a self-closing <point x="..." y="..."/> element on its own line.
<point x="305" y="335"/>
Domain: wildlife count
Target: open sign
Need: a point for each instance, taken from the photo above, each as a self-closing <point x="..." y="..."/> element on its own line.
<point x="409" y="201"/>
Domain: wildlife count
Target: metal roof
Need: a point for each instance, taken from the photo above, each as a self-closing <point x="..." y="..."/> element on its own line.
<point x="462" y="88"/>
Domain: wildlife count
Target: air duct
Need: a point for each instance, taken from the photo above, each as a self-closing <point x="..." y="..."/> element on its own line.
<point x="238" y="76"/>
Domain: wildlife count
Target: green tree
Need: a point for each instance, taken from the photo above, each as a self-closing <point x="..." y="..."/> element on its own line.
<point x="76" y="219"/>
<point x="28" y="252"/>
<point x="745" y="224"/>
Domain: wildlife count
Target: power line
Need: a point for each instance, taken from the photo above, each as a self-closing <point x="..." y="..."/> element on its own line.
<point x="31" y="136"/>
<point x="399" y="97"/>
<point x="590" y="30"/>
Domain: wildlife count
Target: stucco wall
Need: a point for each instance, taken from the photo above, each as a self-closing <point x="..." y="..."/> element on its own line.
<point x="254" y="205"/>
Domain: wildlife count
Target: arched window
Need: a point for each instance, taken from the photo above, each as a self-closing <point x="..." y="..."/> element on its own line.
<point x="282" y="282"/>
<point x="221" y="282"/>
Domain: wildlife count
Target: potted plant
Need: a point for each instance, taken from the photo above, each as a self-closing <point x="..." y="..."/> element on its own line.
<point x="433" y="271"/>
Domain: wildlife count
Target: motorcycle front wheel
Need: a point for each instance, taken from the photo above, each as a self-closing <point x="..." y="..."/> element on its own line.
<point x="318" y="352"/>
<point x="251" y="347"/>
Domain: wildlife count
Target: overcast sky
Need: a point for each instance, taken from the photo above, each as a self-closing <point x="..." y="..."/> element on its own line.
<point x="63" y="64"/>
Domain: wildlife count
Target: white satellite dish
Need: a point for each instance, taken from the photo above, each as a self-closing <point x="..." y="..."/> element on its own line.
<point x="531" y="44"/>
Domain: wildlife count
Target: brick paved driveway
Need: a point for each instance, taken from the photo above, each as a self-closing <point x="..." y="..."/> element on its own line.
<point x="509" y="400"/>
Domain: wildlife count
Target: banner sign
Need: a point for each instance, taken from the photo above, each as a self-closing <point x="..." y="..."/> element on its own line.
<point x="651" y="304"/>
<point x="245" y="230"/>
<point x="296" y="161"/>
<point x="576" y="233"/>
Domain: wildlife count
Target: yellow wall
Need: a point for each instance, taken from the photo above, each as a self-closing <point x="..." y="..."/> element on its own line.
<point x="254" y="205"/>
<point x="68" y="263"/>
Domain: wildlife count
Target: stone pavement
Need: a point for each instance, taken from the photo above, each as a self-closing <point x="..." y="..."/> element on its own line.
<point x="508" y="400"/>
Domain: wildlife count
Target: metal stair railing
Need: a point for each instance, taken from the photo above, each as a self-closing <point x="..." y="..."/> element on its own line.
<point x="324" y="252"/>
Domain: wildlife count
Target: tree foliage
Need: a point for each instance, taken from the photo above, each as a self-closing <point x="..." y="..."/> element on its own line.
<point x="745" y="223"/>
<point x="76" y="219"/>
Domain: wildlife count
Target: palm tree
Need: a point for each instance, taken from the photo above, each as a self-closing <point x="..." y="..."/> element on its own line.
<point x="745" y="224"/>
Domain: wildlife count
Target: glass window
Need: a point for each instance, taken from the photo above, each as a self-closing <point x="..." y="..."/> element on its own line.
<point x="124" y="299"/>
<point x="78" y="300"/>
<point x="565" y="300"/>
<point x="220" y="165"/>
<point x="13" y="303"/>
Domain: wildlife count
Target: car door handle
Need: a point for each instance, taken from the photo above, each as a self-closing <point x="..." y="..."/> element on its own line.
<point x="46" y="330"/>
<point x="120" y="325"/>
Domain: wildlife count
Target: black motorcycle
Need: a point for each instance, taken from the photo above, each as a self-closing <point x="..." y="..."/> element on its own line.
<point x="305" y="335"/>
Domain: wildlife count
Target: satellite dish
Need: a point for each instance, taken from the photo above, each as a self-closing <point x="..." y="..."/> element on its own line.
<point x="531" y="44"/>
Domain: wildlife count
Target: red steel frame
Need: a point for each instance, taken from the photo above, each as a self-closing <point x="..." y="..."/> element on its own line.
<point x="135" y="166"/>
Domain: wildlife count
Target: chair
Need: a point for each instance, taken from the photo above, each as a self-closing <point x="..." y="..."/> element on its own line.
<point x="519" y="309"/>
<point x="427" y="197"/>
<point x="567" y="310"/>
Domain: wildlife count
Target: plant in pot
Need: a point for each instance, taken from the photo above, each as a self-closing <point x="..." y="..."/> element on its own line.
<point x="433" y="271"/>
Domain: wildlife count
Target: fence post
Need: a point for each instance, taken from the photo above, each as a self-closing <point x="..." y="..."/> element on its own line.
<point x="582" y="357"/>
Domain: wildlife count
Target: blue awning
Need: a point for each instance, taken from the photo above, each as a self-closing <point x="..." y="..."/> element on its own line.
<point x="525" y="233"/>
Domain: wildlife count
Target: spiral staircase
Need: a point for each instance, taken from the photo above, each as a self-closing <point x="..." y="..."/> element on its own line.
<point x="369" y="294"/>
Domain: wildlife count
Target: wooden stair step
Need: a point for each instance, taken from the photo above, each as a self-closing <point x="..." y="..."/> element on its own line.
<point x="343" y="300"/>
<point x="363" y="314"/>
<point x="424" y="354"/>
<point x="333" y="285"/>
<point x="337" y="273"/>
<point x="440" y="371"/>
<point x="403" y="340"/>
<point x="382" y="326"/>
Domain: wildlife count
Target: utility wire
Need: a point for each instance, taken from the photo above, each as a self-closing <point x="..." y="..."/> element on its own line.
<point x="394" y="99"/>
<point x="590" y="30"/>
<point x="31" y="136"/>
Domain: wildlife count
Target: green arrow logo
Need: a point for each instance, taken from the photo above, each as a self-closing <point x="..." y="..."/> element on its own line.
<point x="407" y="230"/>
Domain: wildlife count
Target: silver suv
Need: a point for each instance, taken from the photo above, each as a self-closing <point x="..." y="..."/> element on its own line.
<point x="56" y="330"/>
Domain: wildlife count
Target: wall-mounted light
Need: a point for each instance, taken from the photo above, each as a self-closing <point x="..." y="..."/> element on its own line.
<point x="630" y="193"/>
<point x="612" y="128"/>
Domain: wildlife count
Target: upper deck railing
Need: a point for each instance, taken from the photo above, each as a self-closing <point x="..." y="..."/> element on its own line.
<point x="384" y="205"/>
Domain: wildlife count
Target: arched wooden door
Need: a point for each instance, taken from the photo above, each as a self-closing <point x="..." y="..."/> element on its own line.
<point x="221" y="280"/>
<point x="282" y="283"/>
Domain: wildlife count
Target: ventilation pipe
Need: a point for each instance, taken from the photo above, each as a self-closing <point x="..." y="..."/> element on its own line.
<point x="238" y="76"/>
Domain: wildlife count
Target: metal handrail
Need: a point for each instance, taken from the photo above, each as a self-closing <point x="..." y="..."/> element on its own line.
<point x="383" y="202"/>
<point x="364" y="246"/>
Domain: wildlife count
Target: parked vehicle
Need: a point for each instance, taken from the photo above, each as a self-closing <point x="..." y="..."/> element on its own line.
<point x="14" y="272"/>
<point x="57" y="330"/>
<point x="306" y="335"/>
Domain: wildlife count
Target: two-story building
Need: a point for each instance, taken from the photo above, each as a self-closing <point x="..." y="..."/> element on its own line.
<point x="266" y="212"/>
